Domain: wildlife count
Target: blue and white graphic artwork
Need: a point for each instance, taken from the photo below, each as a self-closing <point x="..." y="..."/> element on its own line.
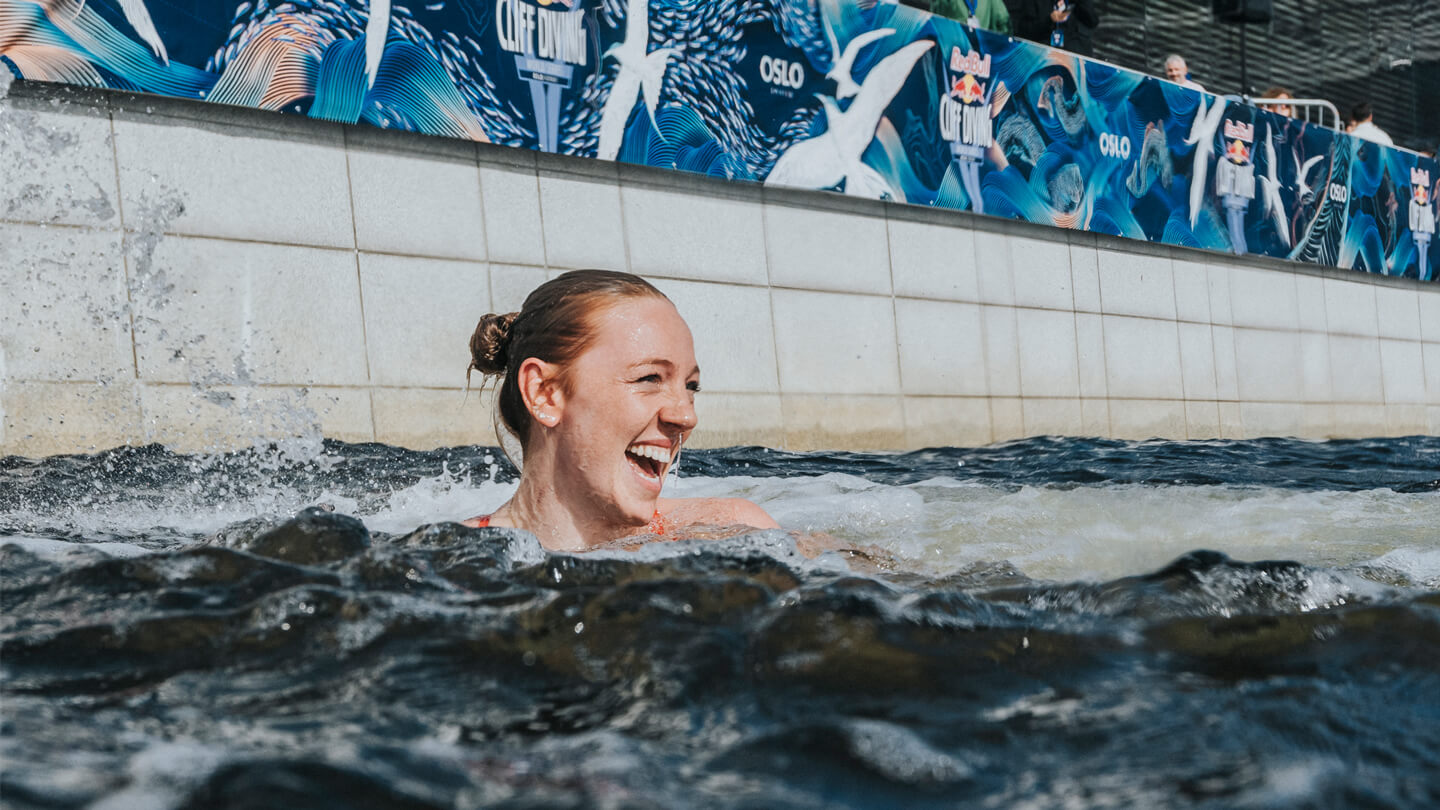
<point x="866" y="99"/>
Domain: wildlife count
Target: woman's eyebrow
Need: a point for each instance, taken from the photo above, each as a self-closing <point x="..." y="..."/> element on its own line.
<point x="660" y="361"/>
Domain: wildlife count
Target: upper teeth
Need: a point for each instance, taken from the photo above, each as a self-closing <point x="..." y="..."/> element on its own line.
<point x="650" y="451"/>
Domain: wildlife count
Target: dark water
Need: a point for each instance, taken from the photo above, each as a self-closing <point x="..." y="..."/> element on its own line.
<point x="182" y="632"/>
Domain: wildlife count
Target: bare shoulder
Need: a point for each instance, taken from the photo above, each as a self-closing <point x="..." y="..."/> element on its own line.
<point x="715" y="512"/>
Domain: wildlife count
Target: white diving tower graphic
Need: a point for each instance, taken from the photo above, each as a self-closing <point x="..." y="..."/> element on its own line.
<point x="835" y="155"/>
<point x="641" y="71"/>
<point x="841" y="63"/>
<point x="377" y="28"/>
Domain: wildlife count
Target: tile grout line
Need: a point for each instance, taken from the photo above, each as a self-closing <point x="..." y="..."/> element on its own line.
<point x="359" y="286"/>
<point x="774" y="339"/>
<point x="895" y="328"/>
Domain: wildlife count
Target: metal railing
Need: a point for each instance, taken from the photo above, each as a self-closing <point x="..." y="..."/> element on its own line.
<point x="1310" y="110"/>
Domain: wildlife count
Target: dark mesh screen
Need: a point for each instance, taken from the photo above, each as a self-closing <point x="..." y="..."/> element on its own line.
<point x="1386" y="52"/>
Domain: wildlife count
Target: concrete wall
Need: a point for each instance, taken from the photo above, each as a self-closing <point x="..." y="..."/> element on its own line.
<point x="205" y="276"/>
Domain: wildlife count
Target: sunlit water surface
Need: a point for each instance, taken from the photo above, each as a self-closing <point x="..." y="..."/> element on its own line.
<point x="1054" y="623"/>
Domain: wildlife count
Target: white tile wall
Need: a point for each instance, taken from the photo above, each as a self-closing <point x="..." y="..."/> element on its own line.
<point x="430" y="351"/>
<point x="1403" y="370"/>
<point x="942" y="348"/>
<point x="1053" y="417"/>
<point x="1227" y="385"/>
<point x="1133" y="284"/>
<point x="1399" y="313"/>
<point x="256" y="185"/>
<point x="1085" y="278"/>
<point x="582" y="221"/>
<point x="229" y="417"/>
<point x="933" y="261"/>
<point x="1221" y="313"/>
<point x="510" y="284"/>
<point x="1042" y="273"/>
<point x="734" y="334"/>
<point x="1273" y="418"/>
<point x="221" y="312"/>
<point x="58" y="167"/>
<point x="1147" y="419"/>
<point x="827" y="250"/>
<point x="1192" y="291"/>
<point x="1090" y="354"/>
<point x="947" y="421"/>
<point x="1263" y="298"/>
<point x="1266" y="365"/>
<point x="1142" y="358"/>
<point x="1430" y="355"/>
<point x="63" y="309"/>
<point x="40" y="418"/>
<point x="1430" y="312"/>
<point x="1002" y="352"/>
<point x="514" y="232"/>
<point x="690" y="236"/>
<point x="1350" y="307"/>
<point x="994" y="266"/>
<point x="1355" y="369"/>
<point x="1310" y="302"/>
<point x="1314" y="363"/>
<point x="417" y="204"/>
<point x="1197" y="361"/>
<point x="835" y="343"/>
<point x="1048" y="364"/>
<point x="1202" y="420"/>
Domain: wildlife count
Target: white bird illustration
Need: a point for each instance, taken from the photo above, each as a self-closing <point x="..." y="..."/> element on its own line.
<point x="641" y="70"/>
<point x="835" y="154"/>
<point x="377" y="28"/>
<point x="1202" y="134"/>
<point x="139" y="18"/>
<point x="1270" y="192"/>
<point x="843" y="63"/>
<point x="1302" y="172"/>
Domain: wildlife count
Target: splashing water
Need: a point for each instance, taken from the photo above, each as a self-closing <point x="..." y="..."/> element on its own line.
<point x="1053" y="623"/>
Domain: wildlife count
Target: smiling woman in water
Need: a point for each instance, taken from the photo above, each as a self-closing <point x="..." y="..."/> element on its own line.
<point x="597" y="382"/>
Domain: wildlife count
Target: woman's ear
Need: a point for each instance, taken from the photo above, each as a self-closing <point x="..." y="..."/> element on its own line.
<point x="540" y="388"/>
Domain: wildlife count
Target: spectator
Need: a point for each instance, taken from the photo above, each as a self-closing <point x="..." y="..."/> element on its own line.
<point x="1362" y="125"/>
<point x="1279" y="93"/>
<point x="1177" y="71"/>
<point x="1067" y="24"/>
<point x="988" y="14"/>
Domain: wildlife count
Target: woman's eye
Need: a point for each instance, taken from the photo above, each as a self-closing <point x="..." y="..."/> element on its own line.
<point x="693" y="387"/>
<point x="649" y="378"/>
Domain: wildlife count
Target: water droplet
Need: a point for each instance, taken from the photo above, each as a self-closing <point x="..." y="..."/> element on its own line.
<point x="528" y="658"/>
<point x="285" y="625"/>
<point x="579" y="628"/>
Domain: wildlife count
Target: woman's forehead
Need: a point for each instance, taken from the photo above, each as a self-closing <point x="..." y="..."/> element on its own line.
<point x="648" y="327"/>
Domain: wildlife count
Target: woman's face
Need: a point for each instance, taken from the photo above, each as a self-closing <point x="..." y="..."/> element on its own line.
<point x="628" y="403"/>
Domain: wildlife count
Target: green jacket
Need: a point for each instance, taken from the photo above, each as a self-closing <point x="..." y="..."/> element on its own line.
<point x="991" y="14"/>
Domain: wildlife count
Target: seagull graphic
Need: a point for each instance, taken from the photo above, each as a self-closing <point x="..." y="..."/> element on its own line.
<point x="843" y="63"/>
<point x="1302" y="172"/>
<point x="1270" y="192"/>
<point x="139" y="18"/>
<point x="640" y="71"/>
<point x="377" y="28"/>
<point x="834" y="155"/>
<point x="1202" y="134"/>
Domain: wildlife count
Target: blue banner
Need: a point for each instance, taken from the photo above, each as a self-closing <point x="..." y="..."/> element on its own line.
<point x="870" y="100"/>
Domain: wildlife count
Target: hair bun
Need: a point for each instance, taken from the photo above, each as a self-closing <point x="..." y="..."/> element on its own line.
<point x="490" y="345"/>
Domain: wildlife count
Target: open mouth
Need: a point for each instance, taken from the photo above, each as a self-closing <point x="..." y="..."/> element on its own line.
<point x="650" y="460"/>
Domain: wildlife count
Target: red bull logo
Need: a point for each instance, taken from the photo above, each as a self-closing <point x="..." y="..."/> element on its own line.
<point x="967" y="89"/>
<point x="1238" y="152"/>
<point x="1422" y="195"/>
<point x="972" y="63"/>
<point x="1239" y="130"/>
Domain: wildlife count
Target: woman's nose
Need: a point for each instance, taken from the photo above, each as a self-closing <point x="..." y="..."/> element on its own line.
<point x="680" y="412"/>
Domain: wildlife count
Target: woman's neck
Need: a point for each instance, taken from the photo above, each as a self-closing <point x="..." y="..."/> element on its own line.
<point x="561" y="524"/>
